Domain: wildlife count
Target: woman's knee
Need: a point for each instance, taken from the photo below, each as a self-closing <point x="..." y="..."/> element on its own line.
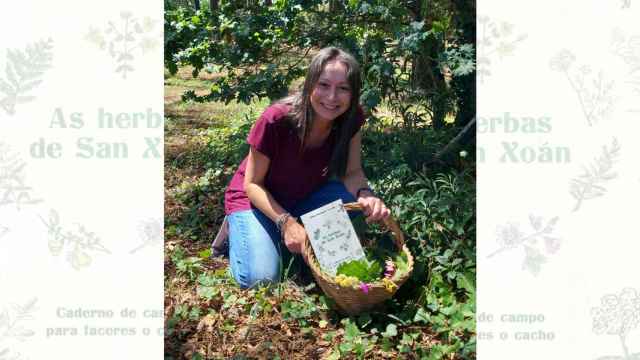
<point x="254" y="256"/>
<point x="250" y="274"/>
<point x="264" y="274"/>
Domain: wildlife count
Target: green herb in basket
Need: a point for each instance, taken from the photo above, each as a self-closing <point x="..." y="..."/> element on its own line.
<point x="364" y="270"/>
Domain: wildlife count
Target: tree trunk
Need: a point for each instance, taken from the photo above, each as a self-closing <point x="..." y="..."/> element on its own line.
<point x="197" y="2"/>
<point x="335" y="5"/>
<point x="465" y="86"/>
<point x="624" y="346"/>
<point x="426" y="69"/>
<point x="213" y="5"/>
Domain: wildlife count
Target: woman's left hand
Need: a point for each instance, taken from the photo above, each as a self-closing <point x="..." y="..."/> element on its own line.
<point x="373" y="208"/>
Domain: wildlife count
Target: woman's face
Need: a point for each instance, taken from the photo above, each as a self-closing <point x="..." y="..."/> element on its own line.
<point x="331" y="95"/>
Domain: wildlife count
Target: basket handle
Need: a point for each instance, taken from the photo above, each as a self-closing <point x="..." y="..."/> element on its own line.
<point x="389" y="222"/>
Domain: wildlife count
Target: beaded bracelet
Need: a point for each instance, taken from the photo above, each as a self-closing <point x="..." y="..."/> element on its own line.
<point x="281" y="220"/>
<point x="363" y="189"/>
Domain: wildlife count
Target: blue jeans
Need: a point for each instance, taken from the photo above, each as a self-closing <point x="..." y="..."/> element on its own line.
<point x="255" y="246"/>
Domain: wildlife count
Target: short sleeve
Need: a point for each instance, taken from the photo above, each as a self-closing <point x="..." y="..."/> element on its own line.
<point x="264" y="135"/>
<point x="360" y="119"/>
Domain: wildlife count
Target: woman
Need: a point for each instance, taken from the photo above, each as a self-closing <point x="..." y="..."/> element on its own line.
<point x="297" y="145"/>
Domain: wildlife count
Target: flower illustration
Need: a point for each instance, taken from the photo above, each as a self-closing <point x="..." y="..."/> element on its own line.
<point x="123" y="39"/>
<point x="148" y="44"/>
<point x="627" y="48"/>
<point x="151" y="232"/>
<point x="535" y="244"/>
<point x="80" y="243"/>
<point x="79" y="259"/>
<point x="552" y="244"/>
<point x="562" y="61"/>
<point x="509" y="236"/>
<point x="494" y="37"/>
<point x="95" y="36"/>
<point x="148" y="24"/>
<point x="585" y="70"/>
<point x="593" y="91"/>
<point x="618" y="314"/>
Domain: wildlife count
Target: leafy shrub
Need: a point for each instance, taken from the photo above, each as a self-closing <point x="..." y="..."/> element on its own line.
<point x="202" y="199"/>
<point x="434" y="203"/>
<point x="405" y="49"/>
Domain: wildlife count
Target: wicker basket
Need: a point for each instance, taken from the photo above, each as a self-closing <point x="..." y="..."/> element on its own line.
<point x="352" y="300"/>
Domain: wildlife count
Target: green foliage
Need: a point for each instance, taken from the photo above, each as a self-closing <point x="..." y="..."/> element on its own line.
<point x="202" y="198"/>
<point x="355" y="341"/>
<point x="210" y="284"/>
<point x="256" y="51"/>
<point x="404" y="49"/>
<point x="365" y="270"/>
<point x="435" y="206"/>
<point x="298" y="309"/>
<point x="460" y="59"/>
<point x="191" y="266"/>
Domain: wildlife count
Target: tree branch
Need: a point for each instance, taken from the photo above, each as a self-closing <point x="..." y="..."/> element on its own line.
<point x="450" y="146"/>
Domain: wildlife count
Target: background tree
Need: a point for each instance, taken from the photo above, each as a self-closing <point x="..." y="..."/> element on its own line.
<point x="418" y="56"/>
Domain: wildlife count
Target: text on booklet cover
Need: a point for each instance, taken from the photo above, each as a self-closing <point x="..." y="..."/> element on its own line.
<point x="332" y="236"/>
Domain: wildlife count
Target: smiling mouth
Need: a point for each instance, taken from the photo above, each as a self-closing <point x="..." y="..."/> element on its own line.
<point x="330" y="107"/>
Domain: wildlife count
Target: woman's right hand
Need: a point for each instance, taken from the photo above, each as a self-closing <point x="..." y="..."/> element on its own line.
<point x="294" y="235"/>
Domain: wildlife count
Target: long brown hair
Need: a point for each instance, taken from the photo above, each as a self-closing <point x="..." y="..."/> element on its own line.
<point x="301" y="113"/>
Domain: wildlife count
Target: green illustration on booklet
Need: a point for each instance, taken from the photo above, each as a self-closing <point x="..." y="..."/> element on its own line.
<point x="337" y="247"/>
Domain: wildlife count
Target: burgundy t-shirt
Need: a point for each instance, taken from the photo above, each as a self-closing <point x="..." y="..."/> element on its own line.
<point x="292" y="175"/>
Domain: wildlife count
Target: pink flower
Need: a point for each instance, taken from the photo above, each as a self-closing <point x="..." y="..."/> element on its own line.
<point x="364" y="287"/>
<point x="389" y="268"/>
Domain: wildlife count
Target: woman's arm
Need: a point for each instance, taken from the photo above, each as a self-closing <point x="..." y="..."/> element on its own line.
<point x="355" y="179"/>
<point x="257" y="167"/>
<point x="261" y="198"/>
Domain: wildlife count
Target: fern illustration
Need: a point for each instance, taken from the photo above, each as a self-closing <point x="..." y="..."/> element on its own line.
<point x="11" y="322"/>
<point x="13" y="188"/>
<point x="24" y="72"/>
<point x="589" y="184"/>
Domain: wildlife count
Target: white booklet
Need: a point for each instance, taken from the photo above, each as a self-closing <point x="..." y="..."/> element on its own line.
<point x="332" y="236"/>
